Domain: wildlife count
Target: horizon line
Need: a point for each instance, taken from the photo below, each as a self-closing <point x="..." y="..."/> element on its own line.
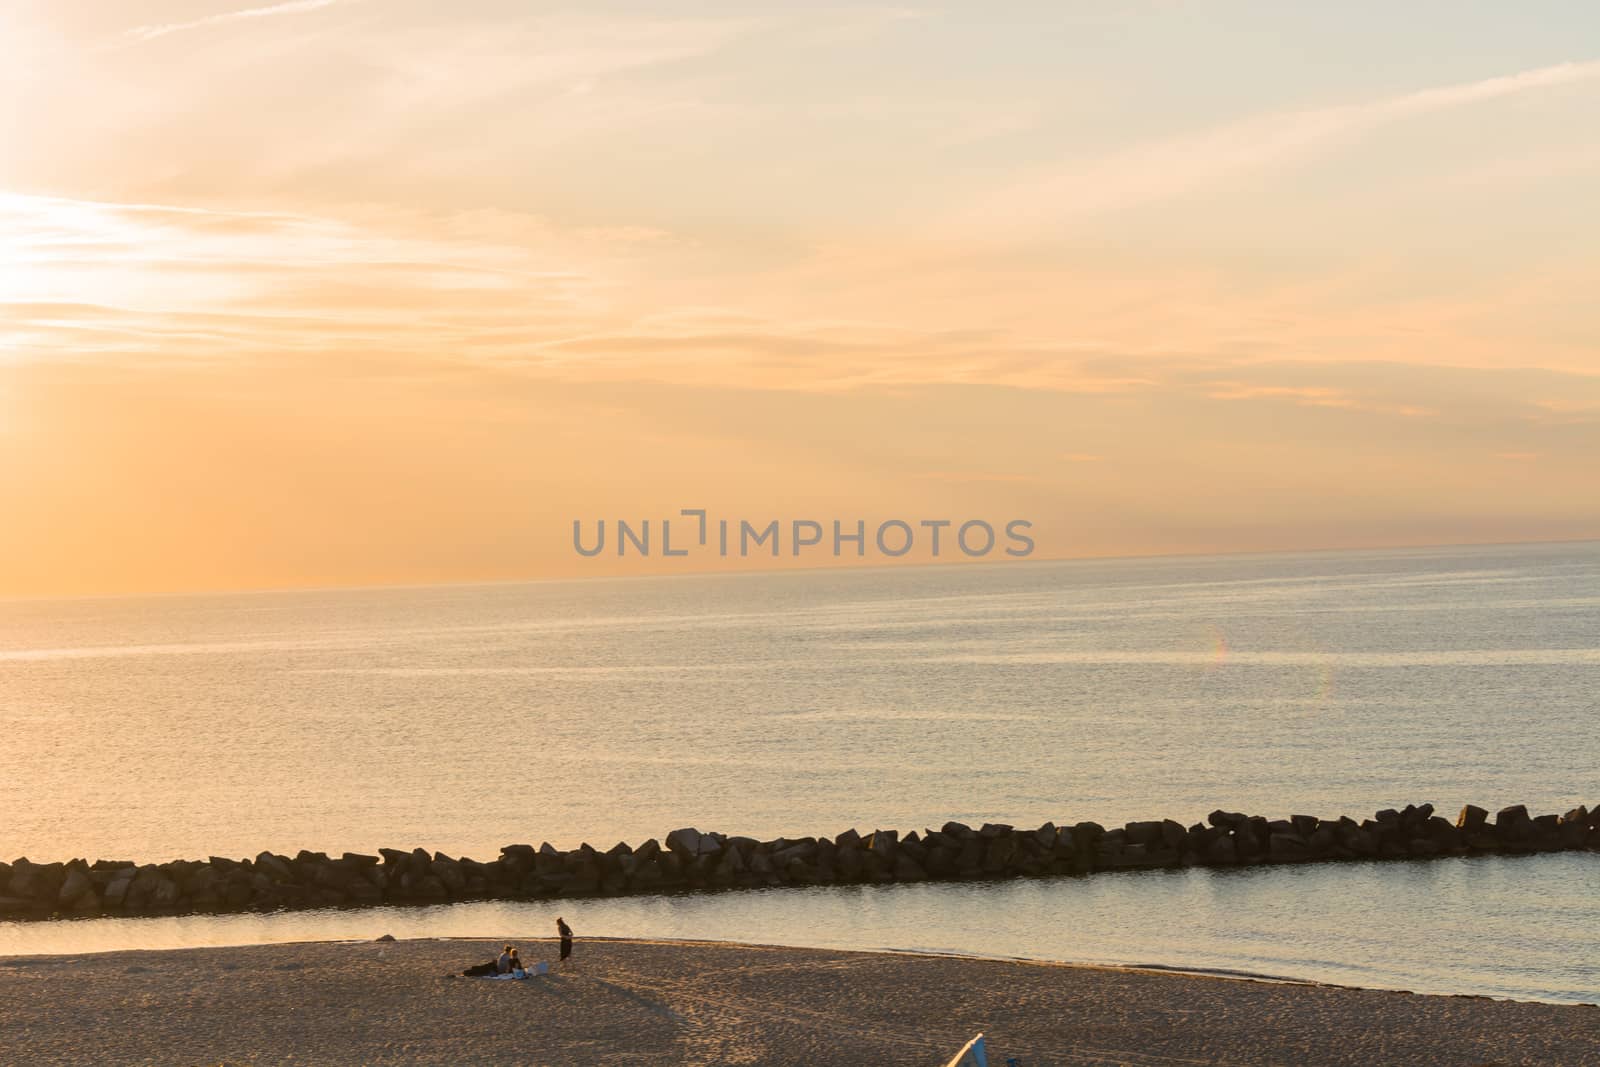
<point x="732" y="572"/>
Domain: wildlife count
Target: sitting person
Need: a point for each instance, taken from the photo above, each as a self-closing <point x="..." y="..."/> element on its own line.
<point x="516" y="966"/>
<point x="500" y="965"/>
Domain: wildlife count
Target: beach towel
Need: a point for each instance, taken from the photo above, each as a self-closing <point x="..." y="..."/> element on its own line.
<point x="515" y="976"/>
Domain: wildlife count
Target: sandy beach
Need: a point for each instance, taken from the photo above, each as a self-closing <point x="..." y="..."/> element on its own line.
<point x="713" y="1003"/>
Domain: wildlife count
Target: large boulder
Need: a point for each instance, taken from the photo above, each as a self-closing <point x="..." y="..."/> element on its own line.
<point x="1222" y="850"/>
<point x="75" y="885"/>
<point x="47" y="880"/>
<point x="1511" y="817"/>
<point x="1443" y="833"/>
<point x="1359" y="840"/>
<point x="1305" y="825"/>
<point x="883" y="844"/>
<point x="849" y="862"/>
<point x="685" y="842"/>
<point x="164" y="894"/>
<point x="449" y="874"/>
<point x="117" y="888"/>
<point x="237" y="892"/>
<point x="274" y="867"/>
<point x="431" y="889"/>
<point x="647" y="876"/>
<point x="1000" y="856"/>
<point x="907" y="870"/>
<point x="1287" y="848"/>
<point x="728" y="867"/>
<point x="798" y="851"/>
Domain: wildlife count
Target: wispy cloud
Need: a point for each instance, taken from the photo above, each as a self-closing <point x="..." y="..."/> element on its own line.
<point x="88" y="279"/>
<point x="1163" y="169"/>
<point x="1318" y="396"/>
<point x="109" y="282"/>
<point x="960" y="477"/>
<point x="288" y="7"/>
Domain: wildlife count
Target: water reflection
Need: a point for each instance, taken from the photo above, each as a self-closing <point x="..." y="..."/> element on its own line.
<point x="1522" y="927"/>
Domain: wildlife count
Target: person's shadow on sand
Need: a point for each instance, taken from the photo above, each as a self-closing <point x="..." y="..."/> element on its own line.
<point x="547" y="988"/>
<point x="653" y="1006"/>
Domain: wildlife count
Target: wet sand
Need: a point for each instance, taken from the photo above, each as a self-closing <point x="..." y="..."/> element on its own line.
<point x="643" y="1002"/>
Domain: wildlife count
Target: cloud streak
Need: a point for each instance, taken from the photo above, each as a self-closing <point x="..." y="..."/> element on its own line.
<point x="1074" y="190"/>
<point x="288" y="7"/>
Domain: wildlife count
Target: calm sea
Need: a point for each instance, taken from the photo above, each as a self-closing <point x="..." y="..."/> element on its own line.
<point x="464" y="718"/>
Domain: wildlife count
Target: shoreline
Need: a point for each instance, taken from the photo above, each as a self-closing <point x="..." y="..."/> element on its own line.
<point x="645" y="1000"/>
<point x="944" y="954"/>
<point x="106" y="935"/>
<point x="1169" y="969"/>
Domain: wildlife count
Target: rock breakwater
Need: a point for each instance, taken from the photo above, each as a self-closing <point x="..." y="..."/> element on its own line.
<point x="689" y="860"/>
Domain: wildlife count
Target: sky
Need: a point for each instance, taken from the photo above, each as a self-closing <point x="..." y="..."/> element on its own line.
<point x="325" y="292"/>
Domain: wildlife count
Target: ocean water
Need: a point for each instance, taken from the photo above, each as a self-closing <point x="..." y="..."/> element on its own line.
<point x="463" y="718"/>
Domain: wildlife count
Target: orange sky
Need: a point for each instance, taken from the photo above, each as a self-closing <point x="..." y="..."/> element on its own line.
<point x="341" y="291"/>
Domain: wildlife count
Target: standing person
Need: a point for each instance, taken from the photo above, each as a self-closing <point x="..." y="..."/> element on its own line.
<point x="566" y="940"/>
